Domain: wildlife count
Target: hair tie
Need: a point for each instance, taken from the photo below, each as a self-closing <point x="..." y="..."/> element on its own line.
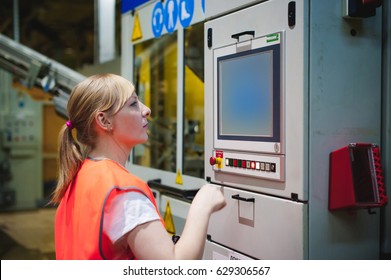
<point x="69" y="124"/>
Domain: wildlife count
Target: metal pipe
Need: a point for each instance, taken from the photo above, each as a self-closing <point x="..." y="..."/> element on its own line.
<point x="16" y="20"/>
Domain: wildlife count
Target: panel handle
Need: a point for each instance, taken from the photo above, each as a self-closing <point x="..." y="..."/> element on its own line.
<point x="238" y="197"/>
<point x="238" y="35"/>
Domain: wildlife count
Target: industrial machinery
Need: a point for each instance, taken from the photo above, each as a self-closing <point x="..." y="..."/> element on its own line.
<point x="285" y="84"/>
<point x="21" y="159"/>
<point x="281" y="89"/>
<point x="35" y="69"/>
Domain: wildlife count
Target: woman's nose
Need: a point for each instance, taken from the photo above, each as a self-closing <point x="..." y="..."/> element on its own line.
<point x="146" y="111"/>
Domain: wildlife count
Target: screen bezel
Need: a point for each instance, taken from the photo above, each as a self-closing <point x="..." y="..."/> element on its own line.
<point x="273" y="144"/>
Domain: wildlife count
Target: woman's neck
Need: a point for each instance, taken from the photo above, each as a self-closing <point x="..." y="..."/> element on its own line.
<point x="118" y="156"/>
<point x="107" y="146"/>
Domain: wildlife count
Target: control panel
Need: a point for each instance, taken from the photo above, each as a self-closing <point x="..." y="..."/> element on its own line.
<point x="261" y="166"/>
<point x="20" y="130"/>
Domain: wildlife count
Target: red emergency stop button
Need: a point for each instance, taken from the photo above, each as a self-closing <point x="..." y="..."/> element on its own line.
<point x="215" y="161"/>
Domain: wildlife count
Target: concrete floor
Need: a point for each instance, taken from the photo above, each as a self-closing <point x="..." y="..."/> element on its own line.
<point x="27" y="235"/>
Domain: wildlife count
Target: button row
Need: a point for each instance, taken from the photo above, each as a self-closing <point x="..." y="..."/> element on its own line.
<point x="250" y="164"/>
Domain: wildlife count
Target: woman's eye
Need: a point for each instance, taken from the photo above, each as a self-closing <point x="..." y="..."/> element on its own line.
<point x="134" y="103"/>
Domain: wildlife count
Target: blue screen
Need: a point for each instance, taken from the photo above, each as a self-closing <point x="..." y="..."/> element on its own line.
<point x="248" y="95"/>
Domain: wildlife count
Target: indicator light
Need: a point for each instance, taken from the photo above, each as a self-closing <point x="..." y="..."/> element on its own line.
<point x="253" y="165"/>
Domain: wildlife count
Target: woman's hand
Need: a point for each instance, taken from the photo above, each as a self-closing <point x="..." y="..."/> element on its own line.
<point x="210" y="198"/>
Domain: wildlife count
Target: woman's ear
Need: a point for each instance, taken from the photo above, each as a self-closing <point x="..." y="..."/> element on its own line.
<point x="102" y="121"/>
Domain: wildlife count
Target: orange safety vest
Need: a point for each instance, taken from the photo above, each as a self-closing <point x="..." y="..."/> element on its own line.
<point x="79" y="217"/>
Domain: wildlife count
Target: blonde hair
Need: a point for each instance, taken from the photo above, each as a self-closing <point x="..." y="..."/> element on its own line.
<point x="99" y="93"/>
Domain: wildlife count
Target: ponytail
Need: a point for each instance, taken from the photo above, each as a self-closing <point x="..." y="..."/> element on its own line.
<point x="70" y="158"/>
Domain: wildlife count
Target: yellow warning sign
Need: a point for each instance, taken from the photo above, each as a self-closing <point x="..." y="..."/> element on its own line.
<point x="137" y="33"/>
<point x="168" y="220"/>
<point x="178" y="178"/>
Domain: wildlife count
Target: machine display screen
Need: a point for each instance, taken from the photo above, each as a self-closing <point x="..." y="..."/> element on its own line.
<point x="248" y="95"/>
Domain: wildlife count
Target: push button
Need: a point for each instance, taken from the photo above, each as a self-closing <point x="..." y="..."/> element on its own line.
<point x="243" y="164"/>
<point x="253" y="165"/>
<point x="216" y="161"/>
<point x="267" y="166"/>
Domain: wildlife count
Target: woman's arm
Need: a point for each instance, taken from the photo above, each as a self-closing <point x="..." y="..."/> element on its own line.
<point x="151" y="240"/>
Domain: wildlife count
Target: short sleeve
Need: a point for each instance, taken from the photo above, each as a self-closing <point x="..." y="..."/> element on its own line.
<point x="126" y="212"/>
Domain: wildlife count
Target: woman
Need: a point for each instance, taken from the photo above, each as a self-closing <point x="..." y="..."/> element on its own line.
<point x="104" y="211"/>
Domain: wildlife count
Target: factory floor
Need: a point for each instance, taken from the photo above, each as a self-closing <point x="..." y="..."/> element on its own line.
<point x="27" y="235"/>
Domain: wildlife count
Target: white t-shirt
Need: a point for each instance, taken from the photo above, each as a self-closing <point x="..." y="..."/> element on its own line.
<point x="128" y="211"/>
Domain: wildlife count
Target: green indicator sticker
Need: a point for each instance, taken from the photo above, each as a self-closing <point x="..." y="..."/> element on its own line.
<point x="272" y="37"/>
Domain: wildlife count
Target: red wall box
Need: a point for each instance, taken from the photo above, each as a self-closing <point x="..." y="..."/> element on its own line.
<point x="356" y="177"/>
